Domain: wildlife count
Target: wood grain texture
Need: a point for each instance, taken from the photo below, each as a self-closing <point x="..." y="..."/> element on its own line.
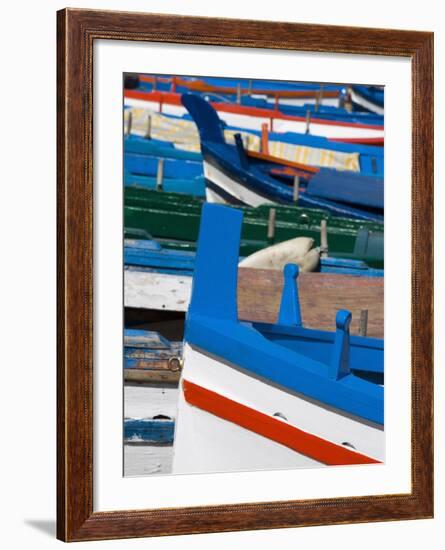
<point x="321" y="296"/>
<point x="77" y="30"/>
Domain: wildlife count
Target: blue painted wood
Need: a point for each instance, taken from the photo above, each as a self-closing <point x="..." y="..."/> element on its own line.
<point x="136" y="254"/>
<point x="209" y="124"/>
<point x="149" y="430"/>
<point x="225" y="158"/>
<point x="164" y="270"/>
<point x="321" y="142"/>
<point x="154" y="360"/>
<point x="215" y="239"/>
<point x="298" y="139"/>
<point x="156" y="259"/>
<point x="324" y="112"/>
<point x="145" y="349"/>
<point x="371" y="157"/>
<point x="339" y="365"/>
<point x="255" y="84"/>
<point x="157" y="148"/>
<point x="134" y="338"/>
<point x="346" y="187"/>
<point x="366" y="354"/>
<point x="290" y="313"/>
<point x="148" y="358"/>
<point x="252" y="175"/>
<point x="173" y="168"/>
<point x="348" y="267"/>
<point x="268" y="84"/>
<point x="212" y="325"/>
<point x="373" y="94"/>
<point x="244" y="161"/>
<point x="193" y="186"/>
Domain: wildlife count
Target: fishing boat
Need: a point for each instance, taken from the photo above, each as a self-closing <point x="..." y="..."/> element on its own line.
<point x="370" y="158"/>
<point x="370" y="98"/>
<point x="171" y="202"/>
<point x="269" y="395"/>
<point x="236" y="176"/>
<point x="151" y="256"/>
<point x="323" y="100"/>
<point x="253" y="118"/>
<point x="173" y="220"/>
<point x="182" y="142"/>
<point x="229" y="86"/>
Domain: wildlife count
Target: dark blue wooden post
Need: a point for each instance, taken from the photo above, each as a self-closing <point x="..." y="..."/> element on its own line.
<point x="290" y="313"/>
<point x="244" y="161"/>
<point x="339" y="366"/>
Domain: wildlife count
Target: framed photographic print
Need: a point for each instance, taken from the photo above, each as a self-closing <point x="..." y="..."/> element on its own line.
<point x="245" y="287"/>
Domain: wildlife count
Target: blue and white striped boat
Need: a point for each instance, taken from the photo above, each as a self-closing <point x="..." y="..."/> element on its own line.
<point x="231" y="176"/>
<point x="370" y="98"/>
<point x="264" y="396"/>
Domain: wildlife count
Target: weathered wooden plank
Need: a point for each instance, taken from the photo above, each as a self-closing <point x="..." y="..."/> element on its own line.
<point x="321" y="295"/>
<point x="141" y="355"/>
<point x="156" y="291"/>
<point x="147" y="357"/>
<point x="144" y="460"/>
<point x="135" y="358"/>
<point x="150" y="363"/>
<point x="149" y="401"/>
<point x="134" y="338"/>
<point x="152" y="376"/>
<point x="259" y="294"/>
<point x="149" y="430"/>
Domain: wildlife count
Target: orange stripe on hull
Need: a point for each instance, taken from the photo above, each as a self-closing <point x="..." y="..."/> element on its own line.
<point x="303" y="442"/>
<point x="171" y="98"/>
<point x="283" y="162"/>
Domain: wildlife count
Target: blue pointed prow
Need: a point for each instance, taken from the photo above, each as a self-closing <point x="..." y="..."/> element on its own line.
<point x="205" y="117"/>
<point x="214" y="289"/>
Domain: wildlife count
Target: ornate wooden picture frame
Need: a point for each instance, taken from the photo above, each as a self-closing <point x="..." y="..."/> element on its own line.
<point x="77" y="31"/>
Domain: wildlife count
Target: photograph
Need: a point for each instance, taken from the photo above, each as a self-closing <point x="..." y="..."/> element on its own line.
<point x="253" y="263"/>
<point x="224" y="275"/>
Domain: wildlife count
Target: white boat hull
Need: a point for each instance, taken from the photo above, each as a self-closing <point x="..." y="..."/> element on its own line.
<point x="206" y="441"/>
<point x="227" y="186"/>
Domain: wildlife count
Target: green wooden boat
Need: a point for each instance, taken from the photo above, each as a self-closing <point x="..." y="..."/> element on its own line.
<point x="174" y="219"/>
<point x="147" y="198"/>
